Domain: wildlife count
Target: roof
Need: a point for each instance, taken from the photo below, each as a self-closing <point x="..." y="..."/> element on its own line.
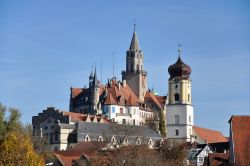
<point x="240" y="137"/>
<point x="82" y="148"/>
<point x="76" y="91"/>
<point x="218" y="147"/>
<point x="152" y="97"/>
<point x="134" y="46"/>
<point x="215" y="159"/>
<point x="116" y="129"/>
<point x="208" y="135"/>
<point x="78" y="117"/>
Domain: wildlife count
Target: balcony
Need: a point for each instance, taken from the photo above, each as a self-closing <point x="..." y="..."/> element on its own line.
<point x="122" y="114"/>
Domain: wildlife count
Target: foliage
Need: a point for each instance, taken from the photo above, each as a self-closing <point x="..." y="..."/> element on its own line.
<point x="162" y="123"/>
<point x="15" y="140"/>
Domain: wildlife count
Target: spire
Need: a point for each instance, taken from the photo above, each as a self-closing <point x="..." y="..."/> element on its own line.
<point x="134" y="42"/>
<point x="95" y="79"/>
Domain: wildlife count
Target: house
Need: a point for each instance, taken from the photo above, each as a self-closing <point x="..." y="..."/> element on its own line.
<point x="198" y="154"/>
<point x="239" y="140"/>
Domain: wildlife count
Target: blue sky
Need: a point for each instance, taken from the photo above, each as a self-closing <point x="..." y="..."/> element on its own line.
<point x="47" y="46"/>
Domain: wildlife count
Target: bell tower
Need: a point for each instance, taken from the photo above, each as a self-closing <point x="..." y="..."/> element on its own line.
<point x="179" y="107"/>
<point x="134" y="74"/>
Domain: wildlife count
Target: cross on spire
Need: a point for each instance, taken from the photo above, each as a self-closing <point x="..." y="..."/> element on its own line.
<point x="179" y="49"/>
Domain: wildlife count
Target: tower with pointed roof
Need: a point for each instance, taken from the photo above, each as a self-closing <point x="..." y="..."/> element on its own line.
<point x="94" y="93"/>
<point x="134" y="74"/>
<point x="179" y="108"/>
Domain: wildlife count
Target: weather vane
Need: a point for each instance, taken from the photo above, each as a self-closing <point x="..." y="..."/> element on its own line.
<point x="134" y="24"/>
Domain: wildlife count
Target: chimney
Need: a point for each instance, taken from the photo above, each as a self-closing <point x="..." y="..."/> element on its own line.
<point x="124" y="84"/>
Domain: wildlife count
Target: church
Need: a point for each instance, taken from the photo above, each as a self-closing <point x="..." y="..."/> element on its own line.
<point x="128" y="102"/>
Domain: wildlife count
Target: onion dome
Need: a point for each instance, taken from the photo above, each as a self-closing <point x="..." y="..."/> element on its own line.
<point x="179" y="69"/>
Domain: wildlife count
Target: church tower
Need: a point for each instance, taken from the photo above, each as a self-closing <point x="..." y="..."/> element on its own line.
<point x="179" y="107"/>
<point x="134" y="74"/>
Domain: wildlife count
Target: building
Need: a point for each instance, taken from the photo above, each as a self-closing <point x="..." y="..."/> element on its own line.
<point x="124" y="102"/>
<point x="179" y="108"/>
<point x="239" y="140"/>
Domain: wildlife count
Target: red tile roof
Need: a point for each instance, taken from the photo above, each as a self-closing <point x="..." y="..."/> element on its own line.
<point x="240" y="137"/>
<point x="208" y="135"/>
<point x="131" y="102"/>
<point x="87" y="148"/>
<point x="77" y="117"/>
<point x="76" y="91"/>
<point x="152" y="97"/>
<point x="215" y="159"/>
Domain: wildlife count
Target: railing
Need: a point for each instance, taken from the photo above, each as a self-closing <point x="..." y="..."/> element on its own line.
<point x="122" y="114"/>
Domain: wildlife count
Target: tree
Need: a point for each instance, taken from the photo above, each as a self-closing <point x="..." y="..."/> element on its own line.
<point x="16" y="147"/>
<point x="162" y="123"/>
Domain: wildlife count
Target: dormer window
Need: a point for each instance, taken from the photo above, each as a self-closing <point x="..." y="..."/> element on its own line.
<point x="87" y="139"/>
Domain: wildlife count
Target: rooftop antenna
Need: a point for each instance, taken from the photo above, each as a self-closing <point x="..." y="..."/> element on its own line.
<point x="179" y="49"/>
<point x="113" y="64"/>
<point x="101" y="71"/>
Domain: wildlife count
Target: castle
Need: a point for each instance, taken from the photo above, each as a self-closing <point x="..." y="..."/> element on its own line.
<point x="126" y="103"/>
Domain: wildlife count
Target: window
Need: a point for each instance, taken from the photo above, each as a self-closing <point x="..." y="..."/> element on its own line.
<point x="176" y="119"/>
<point x="125" y="141"/>
<point x="99" y="138"/>
<point x="87" y="139"/>
<point x="45" y="127"/>
<point x="176" y="97"/>
<point x="188" y="98"/>
<point x="134" y="122"/>
<point x="113" y="139"/>
<point x="138" y="67"/>
<point x="121" y="110"/>
<point x="124" y="121"/>
<point x="176" y="132"/>
<point x="189" y="119"/>
<point x="138" y="141"/>
<point x="150" y="143"/>
<point x="113" y="109"/>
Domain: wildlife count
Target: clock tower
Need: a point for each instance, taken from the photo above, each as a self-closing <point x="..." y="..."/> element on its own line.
<point x="179" y="108"/>
<point x="134" y="74"/>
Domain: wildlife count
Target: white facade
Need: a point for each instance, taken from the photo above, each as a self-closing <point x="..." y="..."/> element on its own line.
<point x="130" y="115"/>
<point x="179" y="122"/>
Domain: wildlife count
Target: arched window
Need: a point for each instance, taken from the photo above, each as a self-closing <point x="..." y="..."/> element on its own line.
<point x="87" y="139"/>
<point x="177" y="119"/>
<point x="99" y="139"/>
<point x="138" y="141"/>
<point x="150" y="143"/>
<point x="176" y="97"/>
<point x="113" y="139"/>
<point x="125" y="141"/>
<point x="176" y="132"/>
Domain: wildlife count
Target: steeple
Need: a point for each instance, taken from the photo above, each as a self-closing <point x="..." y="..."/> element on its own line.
<point x="95" y="79"/>
<point x="134" y="46"/>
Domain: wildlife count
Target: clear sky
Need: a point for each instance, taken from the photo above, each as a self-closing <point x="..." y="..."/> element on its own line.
<point x="47" y="46"/>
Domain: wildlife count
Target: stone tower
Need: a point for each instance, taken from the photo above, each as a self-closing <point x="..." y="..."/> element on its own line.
<point x="134" y="74"/>
<point x="179" y="107"/>
<point x="94" y="93"/>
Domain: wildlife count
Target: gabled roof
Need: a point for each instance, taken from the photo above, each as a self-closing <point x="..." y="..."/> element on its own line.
<point x="218" y="147"/>
<point x="131" y="102"/>
<point x="208" y="135"/>
<point x="240" y="137"/>
<point x="76" y="91"/>
<point x="110" y="100"/>
<point x="152" y="97"/>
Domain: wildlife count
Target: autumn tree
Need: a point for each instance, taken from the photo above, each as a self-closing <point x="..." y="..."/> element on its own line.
<point x="15" y="142"/>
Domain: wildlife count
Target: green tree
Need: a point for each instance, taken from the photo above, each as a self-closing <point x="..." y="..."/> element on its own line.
<point x="162" y="123"/>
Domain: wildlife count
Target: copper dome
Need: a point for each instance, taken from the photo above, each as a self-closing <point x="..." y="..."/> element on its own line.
<point x="179" y="69"/>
